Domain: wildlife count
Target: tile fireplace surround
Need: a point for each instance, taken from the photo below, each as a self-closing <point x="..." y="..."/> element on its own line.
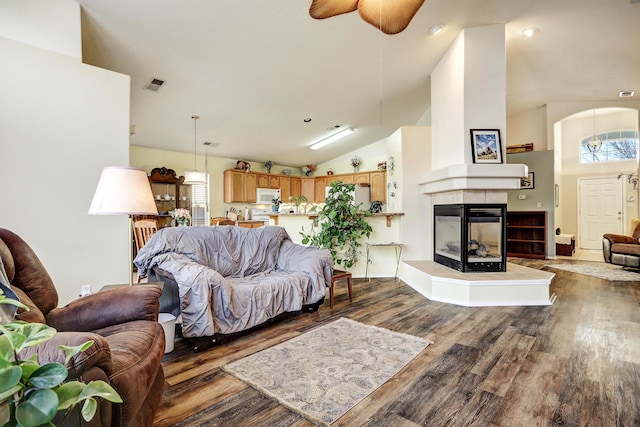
<point x="475" y="184"/>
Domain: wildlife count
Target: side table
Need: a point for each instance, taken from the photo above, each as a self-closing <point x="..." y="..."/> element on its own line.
<point x="397" y="247"/>
<point x="338" y="275"/>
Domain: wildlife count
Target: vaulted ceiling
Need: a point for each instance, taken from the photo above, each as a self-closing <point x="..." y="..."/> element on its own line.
<point x="254" y="70"/>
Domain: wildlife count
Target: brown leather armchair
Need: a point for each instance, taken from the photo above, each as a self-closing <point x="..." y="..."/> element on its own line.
<point x="622" y="250"/>
<point x="123" y="322"/>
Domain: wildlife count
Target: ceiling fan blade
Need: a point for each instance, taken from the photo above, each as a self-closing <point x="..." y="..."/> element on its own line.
<point x="321" y="9"/>
<point x="390" y="16"/>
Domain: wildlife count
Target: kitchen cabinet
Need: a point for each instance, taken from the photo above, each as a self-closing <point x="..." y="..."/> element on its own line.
<point x="235" y="183"/>
<point x="378" y="184"/>
<point x="308" y="188"/>
<point x="250" y="186"/>
<point x="285" y="188"/>
<point x="320" y="184"/>
<point x="296" y="186"/>
<point x="362" y="178"/>
<point x="262" y="180"/>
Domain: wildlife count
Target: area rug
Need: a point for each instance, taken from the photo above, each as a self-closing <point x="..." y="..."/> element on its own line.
<point x="324" y="372"/>
<point x="601" y="271"/>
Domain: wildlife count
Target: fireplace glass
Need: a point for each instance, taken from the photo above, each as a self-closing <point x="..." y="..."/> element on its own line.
<point x="470" y="237"/>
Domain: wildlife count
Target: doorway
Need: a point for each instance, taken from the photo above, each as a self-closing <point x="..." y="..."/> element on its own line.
<point x="600" y="208"/>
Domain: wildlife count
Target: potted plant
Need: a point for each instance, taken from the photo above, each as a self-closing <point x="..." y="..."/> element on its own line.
<point x="298" y="200"/>
<point x="32" y="394"/>
<point x="275" y="204"/>
<point x="342" y="224"/>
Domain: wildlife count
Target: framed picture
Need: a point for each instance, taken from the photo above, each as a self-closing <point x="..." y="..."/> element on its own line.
<point x="486" y="147"/>
<point x="527" y="183"/>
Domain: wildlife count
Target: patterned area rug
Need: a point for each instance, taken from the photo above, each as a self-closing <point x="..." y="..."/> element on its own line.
<point x="323" y="373"/>
<point x="601" y="270"/>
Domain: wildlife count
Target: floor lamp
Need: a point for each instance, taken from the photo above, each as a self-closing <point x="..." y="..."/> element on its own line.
<point x="124" y="191"/>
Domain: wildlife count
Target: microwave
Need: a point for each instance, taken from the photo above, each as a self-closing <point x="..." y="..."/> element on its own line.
<point x="265" y="196"/>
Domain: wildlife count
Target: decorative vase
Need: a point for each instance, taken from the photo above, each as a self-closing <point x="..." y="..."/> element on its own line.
<point x="274" y="208"/>
<point x="355" y="169"/>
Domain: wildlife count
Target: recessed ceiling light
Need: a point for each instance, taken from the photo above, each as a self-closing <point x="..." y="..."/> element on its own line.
<point x="529" y="32"/>
<point x="626" y="93"/>
<point x="436" y="29"/>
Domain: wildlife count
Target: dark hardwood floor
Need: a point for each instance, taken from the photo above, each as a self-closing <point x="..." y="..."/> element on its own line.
<point x="576" y="363"/>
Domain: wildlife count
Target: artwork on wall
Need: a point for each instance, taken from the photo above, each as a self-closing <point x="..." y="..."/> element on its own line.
<point x="485" y="145"/>
<point x="527" y="182"/>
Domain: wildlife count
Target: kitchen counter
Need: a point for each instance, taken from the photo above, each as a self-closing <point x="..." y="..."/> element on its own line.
<point x="276" y="216"/>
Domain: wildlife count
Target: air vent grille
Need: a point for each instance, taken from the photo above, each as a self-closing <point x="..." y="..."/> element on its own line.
<point x="154" y="84"/>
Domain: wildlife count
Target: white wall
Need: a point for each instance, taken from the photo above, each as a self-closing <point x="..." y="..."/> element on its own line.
<point x="51" y="24"/>
<point x="468" y="91"/>
<point x="61" y="122"/>
<point x="528" y="127"/>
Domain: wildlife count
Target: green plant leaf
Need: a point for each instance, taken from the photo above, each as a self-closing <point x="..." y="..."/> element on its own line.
<point x="36" y="334"/>
<point x="9" y="378"/>
<point x="6" y="349"/>
<point x="68" y="393"/>
<point x="72" y="351"/>
<point x="15" y="337"/>
<point x="48" y="375"/>
<point x="100" y="389"/>
<point x="89" y="409"/>
<point x="39" y="408"/>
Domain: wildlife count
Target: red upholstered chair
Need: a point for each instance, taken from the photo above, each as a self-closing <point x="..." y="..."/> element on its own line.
<point x="129" y="341"/>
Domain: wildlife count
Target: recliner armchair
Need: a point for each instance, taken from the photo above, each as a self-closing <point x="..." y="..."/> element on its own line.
<point x="622" y="250"/>
<point x="129" y="341"/>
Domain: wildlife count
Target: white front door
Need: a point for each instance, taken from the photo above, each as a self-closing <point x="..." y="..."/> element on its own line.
<point x="600" y="210"/>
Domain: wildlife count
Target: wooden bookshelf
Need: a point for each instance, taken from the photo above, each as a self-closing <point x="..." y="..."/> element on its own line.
<point x="527" y="234"/>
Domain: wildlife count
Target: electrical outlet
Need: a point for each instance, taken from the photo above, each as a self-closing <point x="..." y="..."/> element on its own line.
<point x="539" y="205"/>
<point x="521" y="196"/>
<point x="86" y="290"/>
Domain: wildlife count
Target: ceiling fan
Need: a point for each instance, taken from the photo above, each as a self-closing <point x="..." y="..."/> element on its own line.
<point x="389" y="16"/>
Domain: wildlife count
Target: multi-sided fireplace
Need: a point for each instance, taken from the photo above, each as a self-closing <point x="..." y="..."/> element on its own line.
<point x="470" y="237"/>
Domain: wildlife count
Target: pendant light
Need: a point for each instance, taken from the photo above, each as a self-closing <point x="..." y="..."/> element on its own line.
<point x="194" y="176"/>
<point x="595" y="143"/>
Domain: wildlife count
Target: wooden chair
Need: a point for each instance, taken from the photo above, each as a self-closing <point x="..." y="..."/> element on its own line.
<point x="338" y="275"/>
<point x="143" y="229"/>
<point x="220" y="220"/>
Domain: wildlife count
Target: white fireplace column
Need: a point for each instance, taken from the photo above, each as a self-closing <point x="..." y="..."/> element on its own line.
<point x="468" y="91"/>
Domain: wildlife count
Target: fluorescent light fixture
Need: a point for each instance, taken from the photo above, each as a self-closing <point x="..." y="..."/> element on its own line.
<point x="333" y="138"/>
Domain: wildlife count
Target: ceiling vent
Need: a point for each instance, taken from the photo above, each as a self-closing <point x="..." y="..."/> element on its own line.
<point x="211" y="144"/>
<point x="154" y="84"/>
<point x="626" y="93"/>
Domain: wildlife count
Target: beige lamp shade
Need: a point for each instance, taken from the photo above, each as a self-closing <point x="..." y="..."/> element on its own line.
<point x="123" y="191"/>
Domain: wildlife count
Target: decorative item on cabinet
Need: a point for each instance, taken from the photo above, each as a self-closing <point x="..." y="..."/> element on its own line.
<point x="243" y="165"/>
<point x="355" y="162"/>
<point x="268" y="165"/>
<point x="307" y="169"/>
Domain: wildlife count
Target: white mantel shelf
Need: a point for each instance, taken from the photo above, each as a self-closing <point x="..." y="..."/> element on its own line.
<point x="518" y="286"/>
<point x="474" y="177"/>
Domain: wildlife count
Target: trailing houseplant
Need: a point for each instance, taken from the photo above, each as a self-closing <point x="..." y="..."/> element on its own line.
<point x="32" y="394"/>
<point x="342" y="224"/>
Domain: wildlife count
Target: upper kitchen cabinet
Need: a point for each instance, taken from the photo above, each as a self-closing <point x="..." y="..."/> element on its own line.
<point x="378" y="183"/>
<point x="234" y="186"/>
